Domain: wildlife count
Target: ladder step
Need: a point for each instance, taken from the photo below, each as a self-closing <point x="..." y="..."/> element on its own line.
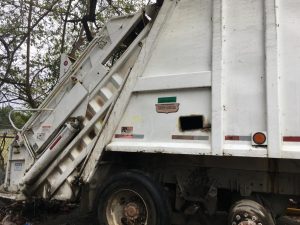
<point x="86" y="139"/>
<point x="74" y="153"/>
<point x="98" y="126"/>
<point x="64" y="164"/>
<point x="111" y="87"/>
<point x="89" y="113"/>
<point x="95" y="105"/>
<point x="98" y="98"/>
<point x="106" y="93"/>
<point x="61" y="179"/>
<point x="53" y="176"/>
<point x="71" y="157"/>
<point x="59" y="170"/>
<point x="79" y="146"/>
<point x="116" y="80"/>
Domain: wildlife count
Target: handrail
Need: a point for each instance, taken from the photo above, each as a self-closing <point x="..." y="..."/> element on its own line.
<point x="23" y="110"/>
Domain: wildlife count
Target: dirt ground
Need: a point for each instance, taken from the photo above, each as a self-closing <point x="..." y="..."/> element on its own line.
<point x="71" y="214"/>
<point x="74" y="217"/>
<point x="40" y="214"/>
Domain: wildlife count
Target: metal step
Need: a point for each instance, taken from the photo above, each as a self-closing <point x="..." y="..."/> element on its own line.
<point x="78" y="149"/>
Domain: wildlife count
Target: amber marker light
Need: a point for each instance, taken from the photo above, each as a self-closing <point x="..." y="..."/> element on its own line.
<point x="259" y="138"/>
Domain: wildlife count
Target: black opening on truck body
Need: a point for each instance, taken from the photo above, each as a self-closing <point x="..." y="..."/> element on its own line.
<point x="193" y="122"/>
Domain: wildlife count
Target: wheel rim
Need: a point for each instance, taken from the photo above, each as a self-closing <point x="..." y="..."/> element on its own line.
<point x="126" y="207"/>
<point x="248" y="212"/>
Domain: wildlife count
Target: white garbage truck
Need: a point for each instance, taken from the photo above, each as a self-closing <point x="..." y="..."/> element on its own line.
<point x="187" y="109"/>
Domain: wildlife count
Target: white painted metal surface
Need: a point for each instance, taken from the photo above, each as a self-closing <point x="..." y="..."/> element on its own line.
<point x="233" y="64"/>
<point x="238" y="63"/>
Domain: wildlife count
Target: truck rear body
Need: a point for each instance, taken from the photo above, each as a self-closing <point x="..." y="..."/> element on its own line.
<point x="199" y="84"/>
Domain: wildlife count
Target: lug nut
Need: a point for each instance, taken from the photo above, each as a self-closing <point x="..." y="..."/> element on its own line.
<point x="246" y="215"/>
<point x="238" y="217"/>
<point x="254" y="218"/>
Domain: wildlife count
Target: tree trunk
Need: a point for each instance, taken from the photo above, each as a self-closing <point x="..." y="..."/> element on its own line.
<point x="62" y="48"/>
<point x="28" y="41"/>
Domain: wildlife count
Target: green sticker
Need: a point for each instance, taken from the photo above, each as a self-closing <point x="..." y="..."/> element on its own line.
<point x="167" y="100"/>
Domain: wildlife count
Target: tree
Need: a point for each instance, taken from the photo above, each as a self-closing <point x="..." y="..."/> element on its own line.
<point x="19" y="118"/>
<point x="21" y="72"/>
<point x="33" y="34"/>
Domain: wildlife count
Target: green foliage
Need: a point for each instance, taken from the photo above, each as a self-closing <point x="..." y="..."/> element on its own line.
<point x="19" y="118"/>
<point x="27" y="75"/>
<point x="4" y="121"/>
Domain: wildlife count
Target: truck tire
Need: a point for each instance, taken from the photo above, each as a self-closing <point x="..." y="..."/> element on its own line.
<point x="249" y="212"/>
<point x="131" y="198"/>
<point x="285" y="220"/>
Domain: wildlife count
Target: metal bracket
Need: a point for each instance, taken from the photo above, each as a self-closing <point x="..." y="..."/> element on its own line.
<point x="23" y="110"/>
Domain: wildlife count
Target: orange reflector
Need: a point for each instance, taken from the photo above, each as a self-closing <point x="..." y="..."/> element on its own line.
<point x="259" y="138"/>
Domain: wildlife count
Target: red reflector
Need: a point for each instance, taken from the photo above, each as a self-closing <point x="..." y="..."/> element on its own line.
<point x="123" y="136"/>
<point x="259" y="138"/>
<point x="232" y="138"/>
<point x="55" y="142"/>
<point x="291" y="139"/>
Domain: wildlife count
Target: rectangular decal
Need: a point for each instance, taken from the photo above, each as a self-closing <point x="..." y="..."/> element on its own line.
<point x="190" y="137"/>
<point x="291" y="139"/>
<point x="237" y="138"/>
<point x="167" y="100"/>
<point x="167" y="105"/>
<point x="167" y="108"/>
<point x="55" y="142"/>
<point x="40" y="136"/>
<point x="127" y="132"/>
<point x="18" y="166"/>
<point x="130" y="136"/>
<point x="46" y="128"/>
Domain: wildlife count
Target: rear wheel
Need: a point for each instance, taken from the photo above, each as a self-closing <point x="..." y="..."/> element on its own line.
<point x="249" y="212"/>
<point x="131" y="198"/>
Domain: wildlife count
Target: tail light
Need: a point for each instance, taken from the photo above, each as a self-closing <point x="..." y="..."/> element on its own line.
<point x="259" y="138"/>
